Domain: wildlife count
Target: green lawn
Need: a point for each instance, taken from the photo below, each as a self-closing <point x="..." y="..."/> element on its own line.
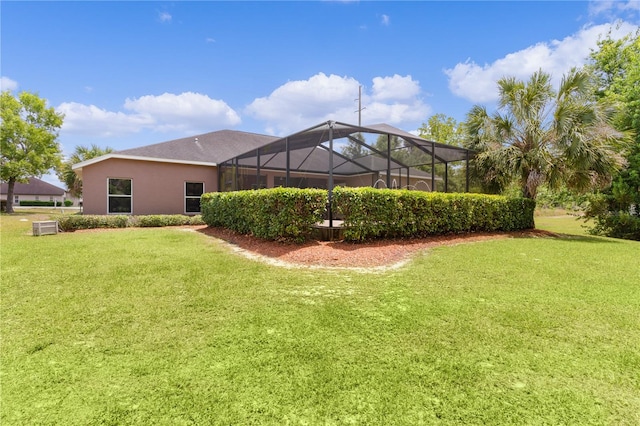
<point x="168" y="327"/>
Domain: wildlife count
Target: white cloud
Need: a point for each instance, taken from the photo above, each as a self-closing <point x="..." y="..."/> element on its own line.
<point x="385" y="20"/>
<point x="184" y="111"/>
<point x="91" y="120"/>
<point x="396" y="87"/>
<point x="478" y="83"/>
<point x="614" y="7"/>
<point x="187" y="112"/>
<point x="164" y="17"/>
<point x="299" y="104"/>
<point x="7" y="84"/>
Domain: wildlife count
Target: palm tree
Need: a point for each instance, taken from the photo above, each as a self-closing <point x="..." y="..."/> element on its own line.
<point x="541" y="136"/>
<point x="81" y="153"/>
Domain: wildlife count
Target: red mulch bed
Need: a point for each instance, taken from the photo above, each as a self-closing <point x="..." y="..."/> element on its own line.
<point x="354" y="255"/>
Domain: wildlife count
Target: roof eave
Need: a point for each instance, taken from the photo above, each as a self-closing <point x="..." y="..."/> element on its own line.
<point x="79" y="166"/>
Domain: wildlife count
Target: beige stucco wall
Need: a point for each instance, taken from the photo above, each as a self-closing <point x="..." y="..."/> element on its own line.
<point x="157" y="188"/>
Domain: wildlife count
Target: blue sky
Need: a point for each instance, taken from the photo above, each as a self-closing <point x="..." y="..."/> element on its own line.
<point x="128" y="74"/>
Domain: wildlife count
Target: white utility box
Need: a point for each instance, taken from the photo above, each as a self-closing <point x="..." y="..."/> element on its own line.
<point x="47" y="227"/>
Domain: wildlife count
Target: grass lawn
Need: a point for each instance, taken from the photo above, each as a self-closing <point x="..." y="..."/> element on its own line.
<point x="168" y="327"/>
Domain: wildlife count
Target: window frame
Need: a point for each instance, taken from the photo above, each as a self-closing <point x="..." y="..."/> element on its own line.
<point x="192" y="197"/>
<point x="129" y="196"/>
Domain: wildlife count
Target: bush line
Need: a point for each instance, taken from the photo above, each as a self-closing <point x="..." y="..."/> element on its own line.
<point x="27" y="203"/>
<point x="386" y="213"/>
<point x="288" y="213"/>
<point x="76" y="222"/>
<point x="282" y="214"/>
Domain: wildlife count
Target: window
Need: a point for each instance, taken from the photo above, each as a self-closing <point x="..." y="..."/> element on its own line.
<point x="192" y="193"/>
<point x="120" y="196"/>
<point x="16" y="199"/>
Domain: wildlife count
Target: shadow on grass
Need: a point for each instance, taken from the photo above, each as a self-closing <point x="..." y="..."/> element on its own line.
<point x="574" y="237"/>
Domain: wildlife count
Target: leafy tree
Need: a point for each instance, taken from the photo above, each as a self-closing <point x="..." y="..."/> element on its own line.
<point x="616" y="64"/>
<point x="353" y="149"/>
<point x="81" y="153"/>
<point x="443" y="129"/>
<point x="542" y="136"/>
<point x="28" y="138"/>
<point x="398" y="148"/>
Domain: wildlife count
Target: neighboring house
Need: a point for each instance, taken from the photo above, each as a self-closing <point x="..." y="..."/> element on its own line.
<point x="170" y="177"/>
<point x="34" y="190"/>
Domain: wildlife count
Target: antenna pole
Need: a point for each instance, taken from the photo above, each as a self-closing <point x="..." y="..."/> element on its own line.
<point x="359" y="111"/>
<point x="360" y="106"/>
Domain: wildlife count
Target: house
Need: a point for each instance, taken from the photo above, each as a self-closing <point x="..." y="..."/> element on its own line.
<point x="170" y="177"/>
<point x="34" y="190"/>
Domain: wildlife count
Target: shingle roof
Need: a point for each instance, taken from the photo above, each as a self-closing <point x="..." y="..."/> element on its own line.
<point x="35" y="186"/>
<point x="221" y="146"/>
<point x="213" y="147"/>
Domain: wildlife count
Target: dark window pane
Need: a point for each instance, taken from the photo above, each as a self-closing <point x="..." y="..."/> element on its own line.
<point x="119" y="186"/>
<point x="193" y="205"/>
<point x="195" y="189"/>
<point x="119" y="204"/>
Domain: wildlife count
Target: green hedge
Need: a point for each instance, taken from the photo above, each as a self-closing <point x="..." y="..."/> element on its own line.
<point x="75" y="222"/>
<point x="159" y="220"/>
<point x="40" y="203"/>
<point x="273" y="214"/>
<point x="386" y="213"/>
<point x="368" y="213"/>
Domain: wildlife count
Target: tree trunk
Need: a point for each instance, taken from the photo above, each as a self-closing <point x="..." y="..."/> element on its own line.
<point x="528" y="193"/>
<point x="10" y="186"/>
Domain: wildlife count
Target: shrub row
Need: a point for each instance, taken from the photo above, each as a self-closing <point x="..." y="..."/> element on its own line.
<point x="75" y="222"/>
<point x="27" y="203"/>
<point x="275" y="214"/>
<point x="385" y="213"/>
<point x="159" y="220"/>
<point x="368" y="213"/>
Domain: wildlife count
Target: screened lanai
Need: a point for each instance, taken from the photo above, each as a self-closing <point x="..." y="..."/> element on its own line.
<point x="335" y="153"/>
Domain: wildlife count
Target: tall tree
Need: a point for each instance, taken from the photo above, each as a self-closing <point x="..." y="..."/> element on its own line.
<point x="28" y="139"/>
<point x="616" y="63"/>
<point x="542" y="136"/>
<point x="353" y="149"/>
<point x="442" y="128"/>
<point x="80" y="154"/>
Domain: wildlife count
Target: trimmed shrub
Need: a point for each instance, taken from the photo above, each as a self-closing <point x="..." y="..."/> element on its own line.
<point x="68" y="203"/>
<point x="27" y="203"/>
<point x="160" y="220"/>
<point x="195" y="220"/>
<point x="75" y="222"/>
<point x="273" y="214"/>
<point x="387" y="213"/>
<point x="369" y="213"/>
